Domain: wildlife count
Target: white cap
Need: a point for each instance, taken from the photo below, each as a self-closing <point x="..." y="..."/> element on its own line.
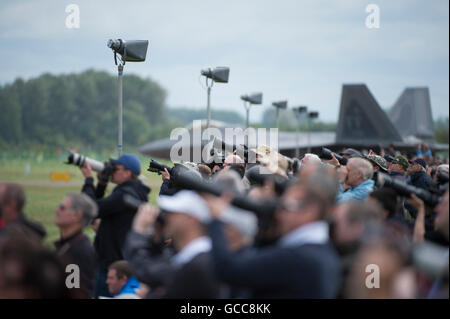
<point x="245" y="221"/>
<point x="187" y="202"/>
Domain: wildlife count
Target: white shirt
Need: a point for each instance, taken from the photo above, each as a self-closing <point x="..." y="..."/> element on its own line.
<point x="191" y="250"/>
<point x="312" y="233"/>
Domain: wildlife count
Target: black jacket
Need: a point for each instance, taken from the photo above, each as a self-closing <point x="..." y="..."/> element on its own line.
<point x="193" y="280"/>
<point x="31" y="229"/>
<point x="78" y="250"/>
<point x="116" y="218"/>
<point x="167" y="188"/>
<point x="305" y="271"/>
<point x="421" y="180"/>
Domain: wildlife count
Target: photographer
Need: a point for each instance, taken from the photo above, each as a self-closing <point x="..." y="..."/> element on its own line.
<point x="302" y="264"/>
<point x="359" y="179"/>
<point x="167" y="187"/>
<point x="188" y="272"/>
<point x="417" y="174"/>
<point x="116" y="217"/>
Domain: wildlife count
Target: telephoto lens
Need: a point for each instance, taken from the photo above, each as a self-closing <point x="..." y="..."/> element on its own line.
<point x="79" y="160"/>
<point x="325" y="153"/>
<point x="157" y="167"/>
<point x="258" y="176"/>
<point x="406" y="190"/>
<point x="442" y="178"/>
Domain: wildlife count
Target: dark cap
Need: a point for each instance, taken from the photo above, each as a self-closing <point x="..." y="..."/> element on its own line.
<point x="377" y="160"/>
<point x="419" y="161"/>
<point x="387" y="157"/>
<point x="401" y="160"/>
<point x="351" y="152"/>
<point x="129" y="161"/>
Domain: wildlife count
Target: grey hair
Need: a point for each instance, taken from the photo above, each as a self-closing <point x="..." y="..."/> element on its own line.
<point x="312" y="158"/>
<point x="443" y="168"/>
<point x="364" y="166"/>
<point x="245" y="221"/>
<point x="231" y="180"/>
<point x="87" y="206"/>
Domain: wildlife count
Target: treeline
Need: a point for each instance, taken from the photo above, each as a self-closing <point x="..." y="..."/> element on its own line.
<point x="441" y="130"/>
<point x="186" y="116"/>
<point x="288" y="122"/>
<point x="80" y="110"/>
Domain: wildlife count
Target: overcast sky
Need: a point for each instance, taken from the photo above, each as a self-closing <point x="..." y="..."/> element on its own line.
<point x="302" y="51"/>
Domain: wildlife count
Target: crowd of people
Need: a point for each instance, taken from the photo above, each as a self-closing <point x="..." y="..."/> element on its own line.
<point x="374" y="225"/>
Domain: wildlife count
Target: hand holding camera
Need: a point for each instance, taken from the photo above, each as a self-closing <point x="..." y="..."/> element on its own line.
<point x="86" y="170"/>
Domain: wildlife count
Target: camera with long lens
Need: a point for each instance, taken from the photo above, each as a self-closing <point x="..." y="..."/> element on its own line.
<point x="264" y="210"/>
<point x="156" y="167"/>
<point x="406" y="190"/>
<point x="261" y="209"/>
<point x="220" y="147"/>
<point x="134" y="203"/>
<point x="325" y="153"/>
<point x="442" y="178"/>
<point x="216" y="158"/>
<point x="106" y="169"/>
<point x="256" y="176"/>
<point x="174" y="171"/>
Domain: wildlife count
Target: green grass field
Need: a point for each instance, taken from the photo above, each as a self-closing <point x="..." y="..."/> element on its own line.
<point x="44" y="195"/>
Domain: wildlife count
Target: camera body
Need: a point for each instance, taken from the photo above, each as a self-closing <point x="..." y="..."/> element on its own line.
<point x="257" y="175"/>
<point x="442" y="178"/>
<point x="157" y="167"/>
<point x="325" y="153"/>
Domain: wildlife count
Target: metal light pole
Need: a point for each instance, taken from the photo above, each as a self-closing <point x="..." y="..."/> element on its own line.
<point x="279" y="105"/>
<point x="311" y="116"/>
<point x="255" y="98"/>
<point x="132" y="51"/>
<point x="208" y="102"/>
<point x="120" y="102"/>
<point x="298" y="111"/>
<point x="219" y="74"/>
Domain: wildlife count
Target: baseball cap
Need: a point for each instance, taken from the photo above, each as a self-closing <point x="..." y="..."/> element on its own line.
<point x="245" y="221"/>
<point x="129" y="161"/>
<point x="186" y="202"/>
<point x="419" y="161"/>
<point x="351" y="152"/>
<point x="400" y="160"/>
<point x="377" y="160"/>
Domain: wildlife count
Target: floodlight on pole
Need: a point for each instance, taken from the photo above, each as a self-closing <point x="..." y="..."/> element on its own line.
<point x="132" y="51"/>
<point x="255" y="98"/>
<point x="219" y="74"/>
<point x="279" y="105"/>
<point x="299" y="112"/>
<point x="311" y="116"/>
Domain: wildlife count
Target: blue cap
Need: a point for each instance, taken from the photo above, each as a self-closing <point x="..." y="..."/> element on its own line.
<point x="130" y="162"/>
<point x="388" y="158"/>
